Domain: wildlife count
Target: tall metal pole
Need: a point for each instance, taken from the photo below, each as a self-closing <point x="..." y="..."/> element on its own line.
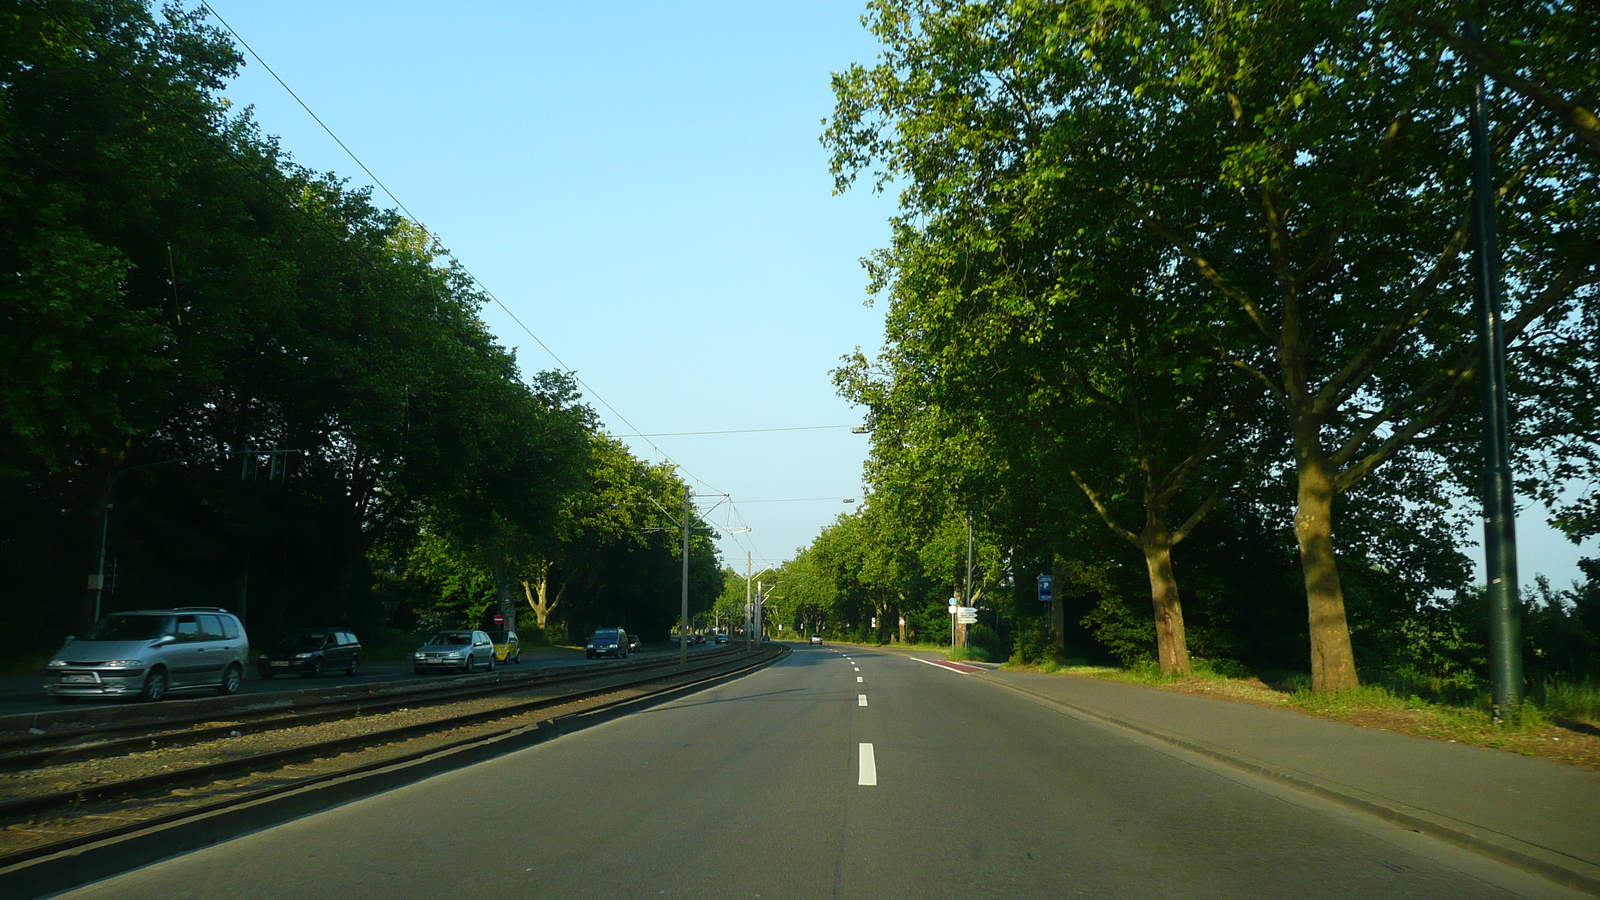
<point x="1499" y="501"/>
<point x="761" y="597"/>
<point x="749" y="611"/>
<point x="100" y="573"/>
<point x="683" y="615"/>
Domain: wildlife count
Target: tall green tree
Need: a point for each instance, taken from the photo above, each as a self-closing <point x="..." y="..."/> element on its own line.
<point x="1303" y="159"/>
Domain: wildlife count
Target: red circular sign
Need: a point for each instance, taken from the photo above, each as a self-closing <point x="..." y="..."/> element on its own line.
<point x="499" y="619"/>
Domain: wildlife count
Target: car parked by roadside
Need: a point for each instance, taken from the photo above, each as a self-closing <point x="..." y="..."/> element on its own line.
<point x="455" y="651"/>
<point x="507" y="646"/>
<point x="148" y="653"/>
<point x="607" y="642"/>
<point x="308" y="652"/>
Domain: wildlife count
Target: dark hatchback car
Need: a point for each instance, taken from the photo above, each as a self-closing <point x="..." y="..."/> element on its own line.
<point x="607" y="642"/>
<point x="308" y="652"/>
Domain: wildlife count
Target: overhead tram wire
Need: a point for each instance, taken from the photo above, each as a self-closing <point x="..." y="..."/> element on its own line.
<point x="571" y="372"/>
<point x="741" y="431"/>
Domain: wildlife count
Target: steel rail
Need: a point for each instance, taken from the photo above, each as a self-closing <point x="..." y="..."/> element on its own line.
<point x="21" y="751"/>
<point x="738" y="666"/>
<point x="23" y="806"/>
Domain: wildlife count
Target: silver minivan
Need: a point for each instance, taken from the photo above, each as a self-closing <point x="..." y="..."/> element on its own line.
<point x="146" y="653"/>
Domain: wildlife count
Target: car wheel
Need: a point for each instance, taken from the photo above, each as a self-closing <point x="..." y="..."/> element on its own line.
<point x="518" y="658"/>
<point x="231" y="680"/>
<point x="489" y="666"/>
<point x="316" y="670"/>
<point x="355" y="664"/>
<point x="471" y="664"/>
<point x="155" y="685"/>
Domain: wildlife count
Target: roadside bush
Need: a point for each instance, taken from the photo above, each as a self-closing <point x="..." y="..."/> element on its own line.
<point x="1130" y="634"/>
<point x="1032" y="643"/>
<point x="984" y="638"/>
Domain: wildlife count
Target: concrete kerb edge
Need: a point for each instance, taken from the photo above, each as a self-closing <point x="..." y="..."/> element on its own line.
<point x="75" y="867"/>
<point x="1552" y="869"/>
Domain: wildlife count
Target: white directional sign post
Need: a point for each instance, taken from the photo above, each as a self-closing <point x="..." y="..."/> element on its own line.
<point x="967" y="615"/>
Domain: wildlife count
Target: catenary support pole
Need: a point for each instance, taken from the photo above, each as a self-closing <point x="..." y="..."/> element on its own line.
<point x="1499" y="501"/>
<point x="749" y="612"/>
<point x="683" y="615"/>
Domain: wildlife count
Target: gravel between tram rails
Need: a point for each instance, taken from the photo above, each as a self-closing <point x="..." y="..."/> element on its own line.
<point x="98" y="815"/>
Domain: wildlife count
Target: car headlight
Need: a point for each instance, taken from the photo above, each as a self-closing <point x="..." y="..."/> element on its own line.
<point x="122" y="664"/>
<point x="57" y="663"/>
<point x="419" y="655"/>
<point x="304" y="655"/>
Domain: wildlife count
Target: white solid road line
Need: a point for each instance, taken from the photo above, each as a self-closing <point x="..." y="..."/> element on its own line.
<point x="869" y="767"/>
<point x="861" y="699"/>
<point x="858" y="679"/>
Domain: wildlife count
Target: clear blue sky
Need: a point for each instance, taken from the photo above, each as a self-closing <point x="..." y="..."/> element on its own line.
<point x="641" y="184"/>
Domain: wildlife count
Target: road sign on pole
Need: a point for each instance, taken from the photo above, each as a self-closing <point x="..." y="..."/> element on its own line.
<point x="967" y="615"/>
<point x="499" y="620"/>
<point x="1046" y="588"/>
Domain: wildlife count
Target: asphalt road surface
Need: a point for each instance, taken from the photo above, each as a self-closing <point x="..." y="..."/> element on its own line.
<point x="25" y="694"/>
<point x="823" y="776"/>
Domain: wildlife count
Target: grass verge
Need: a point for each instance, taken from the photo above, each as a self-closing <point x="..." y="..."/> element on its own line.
<point x="1561" y="723"/>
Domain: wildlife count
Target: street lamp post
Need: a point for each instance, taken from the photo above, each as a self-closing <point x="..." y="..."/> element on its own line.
<point x="1499" y="501"/>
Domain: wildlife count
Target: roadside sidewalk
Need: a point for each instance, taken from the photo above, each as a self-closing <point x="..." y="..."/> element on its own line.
<point x="1537" y="814"/>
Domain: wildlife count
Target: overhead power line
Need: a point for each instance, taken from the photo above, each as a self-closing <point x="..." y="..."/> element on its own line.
<point x="740" y="431"/>
<point x="635" y="432"/>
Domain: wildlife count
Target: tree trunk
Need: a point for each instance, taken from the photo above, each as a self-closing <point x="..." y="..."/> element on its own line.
<point x="537" y="590"/>
<point x="1333" y="661"/>
<point x="1172" y="645"/>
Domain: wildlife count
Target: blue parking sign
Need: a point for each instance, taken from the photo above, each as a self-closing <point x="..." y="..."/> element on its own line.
<point x="1046" y="588"/>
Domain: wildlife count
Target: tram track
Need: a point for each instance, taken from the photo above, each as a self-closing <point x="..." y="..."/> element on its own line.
<point x="118" y="845"/>
<point x="632" y="685"/>
<point x="22" y="750"/>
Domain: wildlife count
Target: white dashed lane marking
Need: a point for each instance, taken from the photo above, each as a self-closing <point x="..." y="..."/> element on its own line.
<point x="869" y="767"/>
<point x="859" y="680"/>
<point x="861" y="699"/>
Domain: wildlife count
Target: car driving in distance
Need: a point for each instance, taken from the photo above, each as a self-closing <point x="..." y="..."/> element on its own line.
<point x="633" y="643"/>
<point x="455" y="651"/>
<point x="722" y="638"/>
<point x="607" y="642"/>
<point x="308" y="652"/>
<point x="147" y="653"/>
<point x="816" y="640"/>
<point x="507" y="646"/>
